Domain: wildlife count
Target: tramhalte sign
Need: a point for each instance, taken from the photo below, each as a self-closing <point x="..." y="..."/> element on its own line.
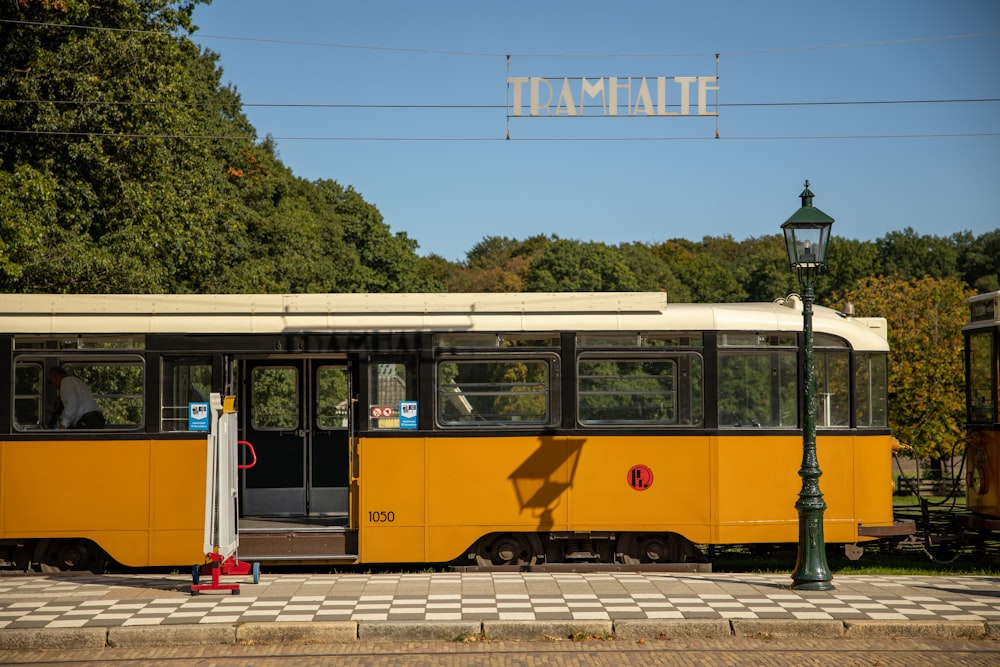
<point x="652" y="96"/>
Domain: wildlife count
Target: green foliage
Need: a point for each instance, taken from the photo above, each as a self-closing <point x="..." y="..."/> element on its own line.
<point x="497" y="264"/>
<point x="979" y="260"/>
<point x="705" y="276"/>
<point x="926" y="378"/>
<point x="572" y="266"/>
<point x="911" y="255"/>
<point x="127" y="167"/>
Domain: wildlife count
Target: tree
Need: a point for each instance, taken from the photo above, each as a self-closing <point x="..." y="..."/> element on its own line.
<point x="848" y="262"/>
<point x="126" y="166"/>
<point x="762" y="268"/>
<point x="653" y="273"/>
<point x="907" y="254"/>
<point x="926" y="369"/>
<point x="498" y="264"/>
<point x="105" y="146"/>
<point x="706" y="276"/>
<point x="980" y="260"/>
<point x="574" y="266"/>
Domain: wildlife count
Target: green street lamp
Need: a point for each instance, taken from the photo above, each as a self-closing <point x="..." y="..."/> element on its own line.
<point x="807" y="233"/>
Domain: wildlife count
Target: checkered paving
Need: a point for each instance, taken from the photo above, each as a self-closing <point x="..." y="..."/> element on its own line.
<point x="89" y="601"/>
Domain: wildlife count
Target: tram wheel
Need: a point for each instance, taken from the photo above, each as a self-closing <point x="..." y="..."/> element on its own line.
<point x="72" y="555"/>
<point x="635" y="548"/>
<point x="505" y="549"/>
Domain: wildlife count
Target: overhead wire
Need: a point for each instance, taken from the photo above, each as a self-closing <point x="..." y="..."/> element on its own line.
<point x="139" y="135"/>
<point x="488" y="54"/>
<point x="341" y="105"/>
<point x="194" y="36"/>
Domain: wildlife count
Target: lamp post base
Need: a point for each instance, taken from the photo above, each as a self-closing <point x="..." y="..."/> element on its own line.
<point x="811" y="572"/>
<point x="800" y="585"/>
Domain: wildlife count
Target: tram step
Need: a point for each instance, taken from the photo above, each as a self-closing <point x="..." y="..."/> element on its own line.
<point x="298" y="545"/>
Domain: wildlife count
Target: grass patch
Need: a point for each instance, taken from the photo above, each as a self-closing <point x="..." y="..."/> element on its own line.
<point x="938" y="548"/>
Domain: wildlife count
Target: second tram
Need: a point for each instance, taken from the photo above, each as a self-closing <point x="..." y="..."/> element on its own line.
<point x="982" y="454"/>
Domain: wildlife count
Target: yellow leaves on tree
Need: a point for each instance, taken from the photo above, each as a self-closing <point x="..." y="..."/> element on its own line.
<point x="926" y="367"/>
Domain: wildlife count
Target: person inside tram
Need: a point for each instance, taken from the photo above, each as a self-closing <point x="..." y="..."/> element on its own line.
<point x="75" y="405"/>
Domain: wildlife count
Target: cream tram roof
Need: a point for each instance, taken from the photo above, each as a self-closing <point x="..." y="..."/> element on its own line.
<point x="465" y="312"/>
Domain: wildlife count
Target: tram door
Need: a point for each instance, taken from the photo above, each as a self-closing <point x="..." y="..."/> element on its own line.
<point x="298" y="423"/>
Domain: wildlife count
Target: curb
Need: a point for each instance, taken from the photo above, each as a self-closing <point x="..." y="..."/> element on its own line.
<point x="541" y="630"/>
<point x="53" y="639"/>
<point x="773" y="628"/>
<point x="170" y="635"/>
<point x="916" y="629"/>
<point x="709" y="628"/>
<point x="333" y="632"/>
<point x="420" y="630"/>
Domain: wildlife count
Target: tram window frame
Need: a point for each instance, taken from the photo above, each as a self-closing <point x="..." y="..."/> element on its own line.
<point x="117" y="397"/>
<point x="384" y="371"/>
<point x="686" y="393"/>
<point x="982" y="365"/>
<point x="182" y="381"/>
<point x="29" y="391"/>
<point x="97" y="342"/>
<point x="479" y="341"/>
<point x="871" y="389"/>
<point x="260" y="404"/>
<point x="452" y="398"/>
<point x="339" y="418"/>
<point x="641" y="339"/>
<point x="832" y="357"/>
<point x="776" y="357"/>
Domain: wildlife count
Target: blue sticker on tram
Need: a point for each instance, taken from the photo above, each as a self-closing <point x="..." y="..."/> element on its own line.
<point x="197" y="416"/>
<point x="407" y="414"/>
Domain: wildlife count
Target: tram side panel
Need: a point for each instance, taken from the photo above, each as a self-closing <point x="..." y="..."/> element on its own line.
<point x="391" y="514"/>
<point x="510" y="484"/>
<point x="873" y="480"/>
<point x="642" y="483"/>
<point x="140" y="501"/>
<point x="427" y="499"/>
<point x="983" y="472"/>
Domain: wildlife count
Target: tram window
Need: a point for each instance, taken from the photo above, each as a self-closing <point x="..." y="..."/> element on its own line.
<point x="28" y="396"/>
<point x="657" y="339"/>
<point x="833" y="385"/>
<point x="750" y="339"/>
<point x="758" y="389"/>
<point x="117" y="388"/>
<point x="275" y="398"/>
<point x="654" y="391"/>
<point x="871" y="387"/>
<point x="80" y="342"/>
<point x="115" y="382"/>
<point x="482" y="392"/>
<point x="982" y="378"/>
<point x="183" y="380"/>
<point x="388" y="387"/>
<point x="492" y="340"/>
<point x="333" y="399"/>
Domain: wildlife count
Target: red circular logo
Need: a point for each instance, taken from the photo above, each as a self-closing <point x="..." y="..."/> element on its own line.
<point x="640" y="477"/>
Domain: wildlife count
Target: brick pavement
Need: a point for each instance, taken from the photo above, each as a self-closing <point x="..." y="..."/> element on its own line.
<point x="60" y="601"/>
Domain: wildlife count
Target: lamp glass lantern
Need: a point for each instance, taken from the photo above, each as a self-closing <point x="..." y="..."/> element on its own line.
<point x="807" y="234"/>
<point x="806" y="242"/>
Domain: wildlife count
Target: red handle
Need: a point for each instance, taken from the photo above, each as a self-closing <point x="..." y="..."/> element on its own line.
<point x="253" y="455"/>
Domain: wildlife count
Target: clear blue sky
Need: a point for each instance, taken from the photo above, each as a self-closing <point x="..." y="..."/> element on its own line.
<point x="447" y="177"/>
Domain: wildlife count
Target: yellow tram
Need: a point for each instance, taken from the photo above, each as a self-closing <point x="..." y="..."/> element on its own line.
<point x="491" y="429"/>
<point x="982" y="454"/>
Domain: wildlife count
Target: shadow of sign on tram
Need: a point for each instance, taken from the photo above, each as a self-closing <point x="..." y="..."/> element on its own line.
<point x="542" y="479"/>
